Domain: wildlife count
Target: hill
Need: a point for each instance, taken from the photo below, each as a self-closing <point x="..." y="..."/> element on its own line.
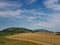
<point x="42" y="38"/>
<point x="14" y="30"/>
<point x="42" y="30"/>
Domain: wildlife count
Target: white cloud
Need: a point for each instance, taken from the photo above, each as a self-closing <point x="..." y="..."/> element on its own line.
<point x="53" y="4"/>
<point x="34" y="12"/>
<point x="53" y="20"/>
<point x="31" y="18"/>
<point x="41" y="24"/>
<point x="20" y="12"/>
<point x="6" y="5"/>
<point x="10" y="13"/>
<point x="52" y="24"/>
<point x="30" y="1"/>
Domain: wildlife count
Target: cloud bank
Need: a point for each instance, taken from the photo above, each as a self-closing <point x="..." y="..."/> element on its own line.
<point x="33" y="18"/>
<point x="53" y="4"/>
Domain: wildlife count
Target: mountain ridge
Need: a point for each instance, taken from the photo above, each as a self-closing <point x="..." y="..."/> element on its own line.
<point x="17" y="30"/>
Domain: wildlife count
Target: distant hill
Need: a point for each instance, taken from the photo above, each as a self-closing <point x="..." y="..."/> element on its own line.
<point x="14" y="30"/>
<point x="42" y="30"/>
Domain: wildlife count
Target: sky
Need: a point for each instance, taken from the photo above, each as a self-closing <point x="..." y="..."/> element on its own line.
<point x="31" y="14"/>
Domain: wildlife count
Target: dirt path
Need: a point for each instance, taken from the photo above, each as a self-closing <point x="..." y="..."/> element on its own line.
<point x="42" y="43"/>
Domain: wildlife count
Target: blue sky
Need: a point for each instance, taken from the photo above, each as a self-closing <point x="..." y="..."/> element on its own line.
<point x="31" y="14"/>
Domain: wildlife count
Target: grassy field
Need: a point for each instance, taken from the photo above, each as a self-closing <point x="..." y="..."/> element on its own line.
<point x="4" y="41"/>
<point x="39" y="38"/>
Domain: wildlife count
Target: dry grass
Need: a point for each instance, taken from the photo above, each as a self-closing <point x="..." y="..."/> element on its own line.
<point x="39" y="37"/>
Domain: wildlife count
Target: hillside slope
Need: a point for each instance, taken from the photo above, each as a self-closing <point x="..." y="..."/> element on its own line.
<point x="17" y="30"/>
<point x="14" y="30"/>
<point x="5" y="41"/>
<point x="40" y="38"/>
